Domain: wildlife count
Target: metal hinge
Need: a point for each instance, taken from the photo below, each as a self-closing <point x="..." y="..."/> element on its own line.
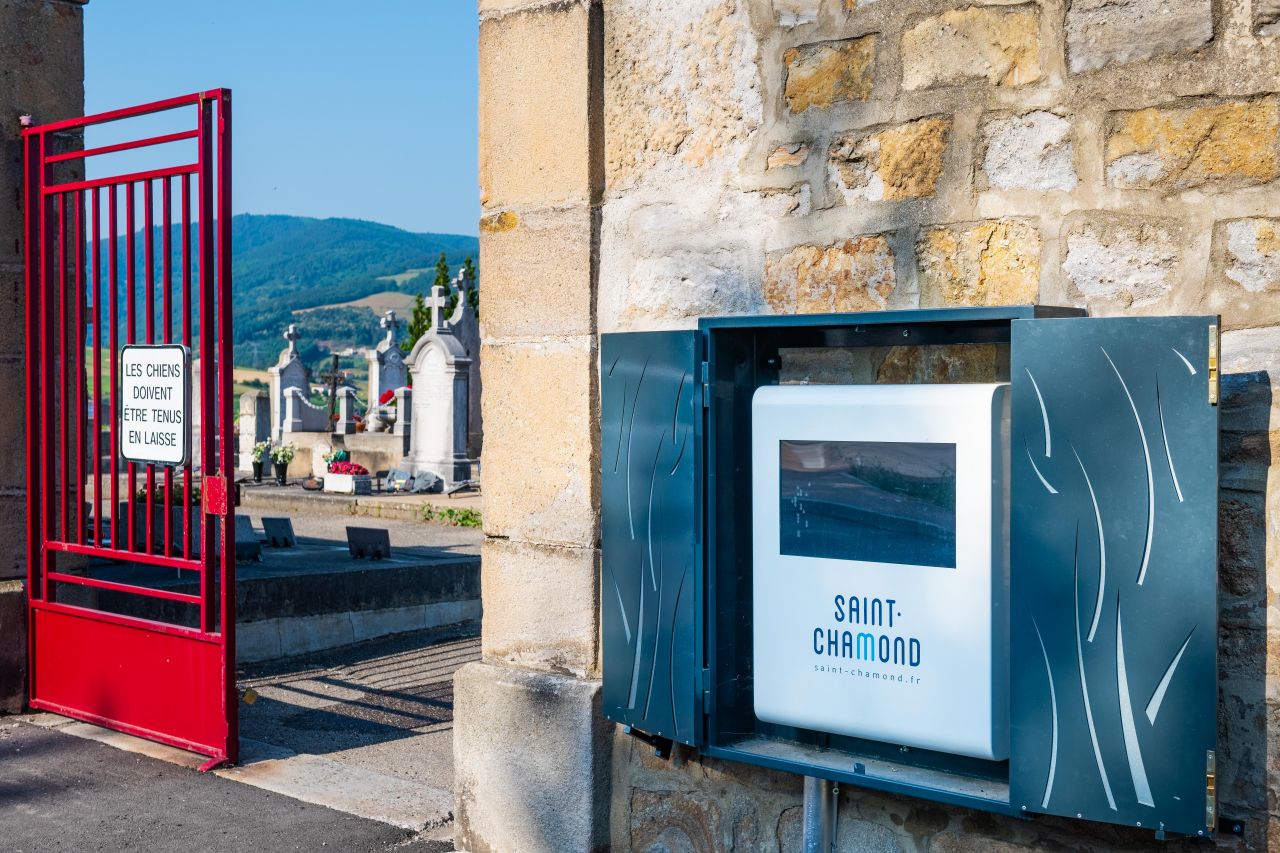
<point x="1214" y="342"/>
<point x="1210" y="791"/>
<point x="706" y="386"/>
<point x="706" y="691"/>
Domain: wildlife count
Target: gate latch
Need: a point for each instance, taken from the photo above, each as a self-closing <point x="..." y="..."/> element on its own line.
<point x="215" y="496"/>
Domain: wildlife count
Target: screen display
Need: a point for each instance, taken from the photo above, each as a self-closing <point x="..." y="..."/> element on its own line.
<point x="880" y="502"/>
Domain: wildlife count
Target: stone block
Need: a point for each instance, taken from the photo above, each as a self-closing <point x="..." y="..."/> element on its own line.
<point x="1228" y="144"/>
<point x="828" y="73"/>
<point x="43" y="46"/>
<point x="789" y="201"/>
<point x="1244" y="280"/>
<point x="540" y="448"/>
<point x="1266" y="17"/>
<point x="786" y="156"/>
<point x="681" y="89"/>
<point x="999" y="44"/>
<point x="852" y="835"/>
<point x="994" y="262"/>
<point x="852" y="275"/>
<point x="13" y="646"/>
<point x="1116" y="262"/>
<point x="531" y="757"/>
<point x="896" y="163"/>
<point x="535" y="104"/>
<point x="1250" y="373"/>
<point x="547" y="252"/>
<point x="540" y="606"/>
<point x="1101" y="32"/>
<point x="13" y="532"/>
<point x="944" y="364"/>
<point x="1029" y="152"/>
<point x="673" y="820"/>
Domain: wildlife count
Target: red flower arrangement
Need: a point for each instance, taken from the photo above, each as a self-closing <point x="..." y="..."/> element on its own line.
<point x="387" y="396"/>
<point x="347" y="468"/>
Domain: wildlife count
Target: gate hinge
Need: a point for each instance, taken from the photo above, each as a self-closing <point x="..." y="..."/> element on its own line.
<point x="1214" y="346"/>
<point x="706" y="387"/>
<point x="1210" y="791"/>
<point x="706" y="691"/>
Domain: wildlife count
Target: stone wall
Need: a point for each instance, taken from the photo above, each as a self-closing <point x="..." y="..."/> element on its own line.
<point x="852" y="155"/>
<point x="42" y="63"/>
<point x="784" y="156"/>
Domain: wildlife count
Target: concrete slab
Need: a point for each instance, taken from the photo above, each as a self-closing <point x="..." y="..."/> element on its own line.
<point x="366" y="730"/>
<point x="65" y="793"/>
<point x="354" y="790"/>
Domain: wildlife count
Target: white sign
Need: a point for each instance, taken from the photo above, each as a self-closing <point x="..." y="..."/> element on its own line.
<point x="880" y="589"/>
<point x="154" y="407"/>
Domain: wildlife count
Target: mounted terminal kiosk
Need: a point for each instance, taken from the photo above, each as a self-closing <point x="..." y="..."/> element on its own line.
<point x="964" y="554"/>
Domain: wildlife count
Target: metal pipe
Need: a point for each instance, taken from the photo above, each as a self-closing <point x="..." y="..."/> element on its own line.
<point x="819" y="815"/>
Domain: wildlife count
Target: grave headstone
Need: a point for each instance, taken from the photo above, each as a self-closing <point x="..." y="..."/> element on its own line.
<point x="287" y="374"/>
<point x="373" y="543"/>
<point x="248" y="544"/>
<point x="441" y="370"/>
<point x="279" y="532"/>
<point x="255" y="425"/>
<point x="387" y="369"/>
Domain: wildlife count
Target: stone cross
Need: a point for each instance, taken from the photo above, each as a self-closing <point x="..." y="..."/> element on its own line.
<point x="292" y="335"/>
<point x="437" y="302"/>
<point x="391" y="323"/>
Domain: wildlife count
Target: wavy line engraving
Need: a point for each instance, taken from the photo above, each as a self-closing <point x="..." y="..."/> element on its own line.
<point x="1036" y="468"/>
<point x="635" y="663"/>
<point x="1053" y="708"/>
<point x="1157" y="698"/>
<point x="635" y="405"/>
<point x="1184" y="361"/>
<point x="653" y="661"/>
<point x="1151" y="484"/>
<point x="680" y="455"/>
<point x="1044" y="414"/>
<point x="622" y="427"/>
<point x="1084" y="683"/>
<point x="1102" y="549"/>
<point x="1164" y="434"/>
<point x="675" y="412"/>
<point x="671" y="661"/>
<point x="626" y="623"/>
<point x="653" y="478"/>
<point x="616" y="359"/>
<point x="1133" y="751"/>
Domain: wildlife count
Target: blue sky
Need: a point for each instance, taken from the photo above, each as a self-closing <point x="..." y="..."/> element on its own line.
<point x="356" y="108"/>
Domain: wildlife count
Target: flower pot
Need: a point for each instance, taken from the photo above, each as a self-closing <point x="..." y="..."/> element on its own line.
<point x="257" y="471"/>
<point x="282" y="471"/>
<point x="348" y="484"/>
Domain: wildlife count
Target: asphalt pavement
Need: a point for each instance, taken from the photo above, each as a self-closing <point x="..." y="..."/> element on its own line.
<point x="64" y="793"/>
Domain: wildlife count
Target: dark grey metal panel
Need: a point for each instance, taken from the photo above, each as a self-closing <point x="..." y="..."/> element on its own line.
<point x="650" y="585"/>
<point x="1114" y="570"/>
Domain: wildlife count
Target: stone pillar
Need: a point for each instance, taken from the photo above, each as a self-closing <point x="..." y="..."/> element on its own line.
<point x="42" y="61"/>
<point x="404" y="411"/>
<point x="255" y="426"/>
<point x="541" y="160"/>
<point x="346" y="424"/>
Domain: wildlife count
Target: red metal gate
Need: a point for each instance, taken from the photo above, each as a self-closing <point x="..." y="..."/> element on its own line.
<point x="131" y="565"/>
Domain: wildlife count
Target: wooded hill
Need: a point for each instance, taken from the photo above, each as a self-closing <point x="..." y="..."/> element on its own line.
<point x="294" y="269"/>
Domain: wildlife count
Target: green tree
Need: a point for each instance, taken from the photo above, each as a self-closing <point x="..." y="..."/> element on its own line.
<point x="419" y="323"/>
<point x="473" y="294"/>
<point x="443" y="275"/>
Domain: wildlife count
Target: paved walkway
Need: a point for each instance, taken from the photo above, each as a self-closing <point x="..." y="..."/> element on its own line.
<point x="59" y="792"/>
<point x="348" y="750"/>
